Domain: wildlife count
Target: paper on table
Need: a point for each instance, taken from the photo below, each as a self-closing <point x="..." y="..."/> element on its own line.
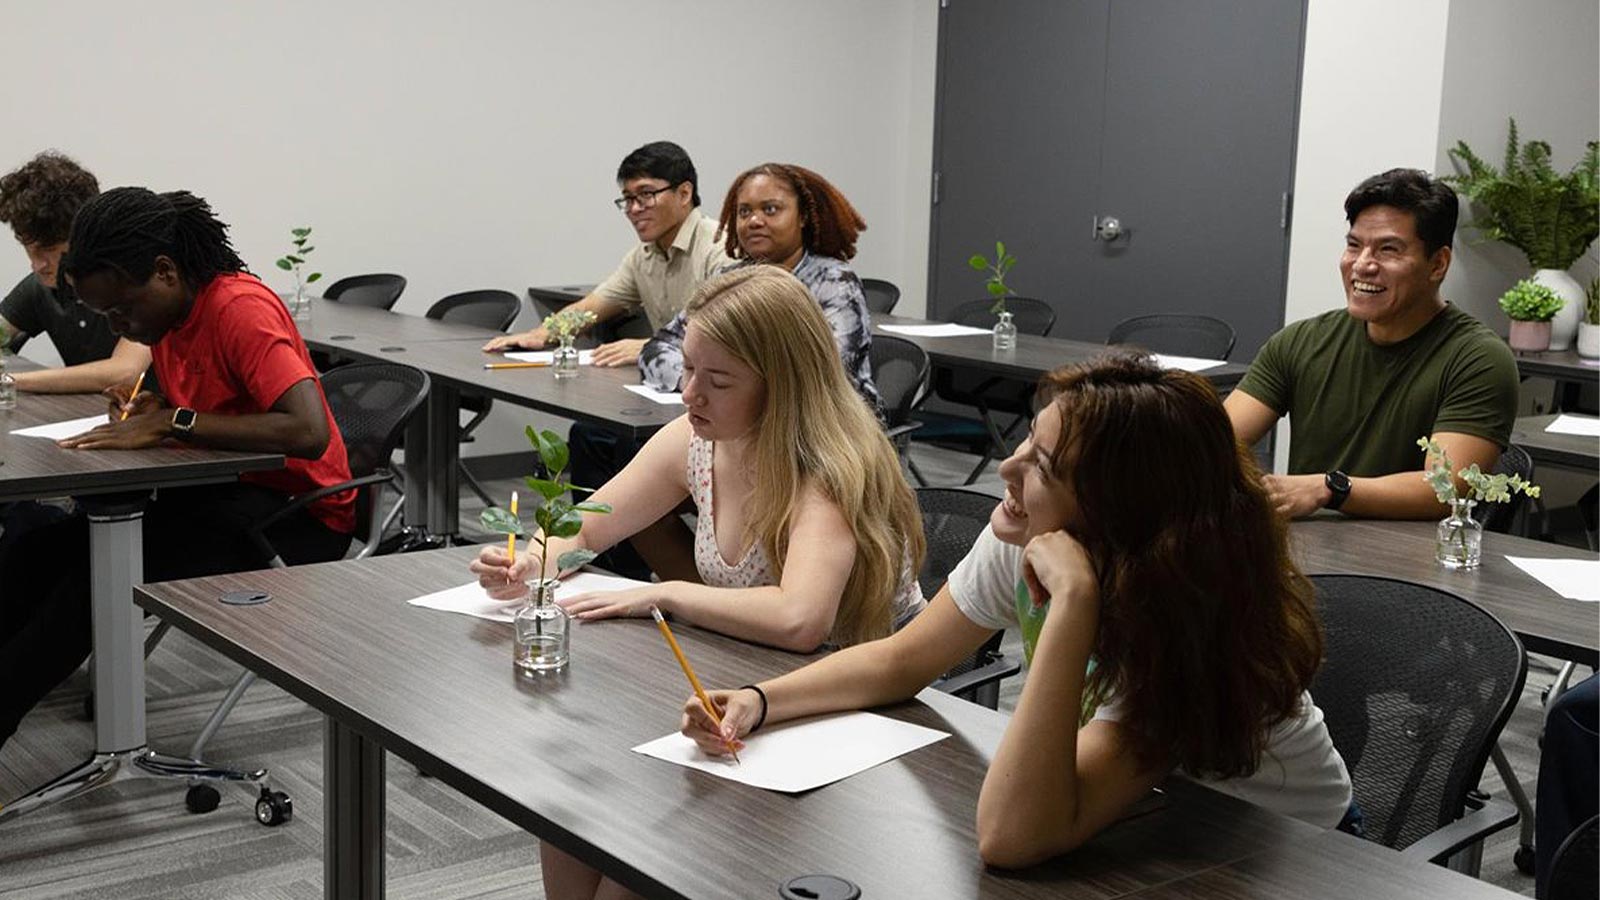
<point x="803" y="754"/>
<point x="471" y="599"/>
<point x="942" y="329"/>
<point x="585" y="357"/>
<point x="59" y="430"/>
<point x="650" y="393"/>
<point x="1575" y="579"/>
<point x="1186" y="363"/>
<point x="1587" y="426"/>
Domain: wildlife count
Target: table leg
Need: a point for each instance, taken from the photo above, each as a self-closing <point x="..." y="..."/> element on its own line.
<point x="444" y="455"/>
<point x="353" y="820"/>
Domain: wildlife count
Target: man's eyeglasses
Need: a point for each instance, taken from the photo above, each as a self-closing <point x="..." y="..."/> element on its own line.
<point x="645" y="199"/>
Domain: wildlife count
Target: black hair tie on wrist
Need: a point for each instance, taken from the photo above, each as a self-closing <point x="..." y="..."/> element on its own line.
<point x="763" y="695"/>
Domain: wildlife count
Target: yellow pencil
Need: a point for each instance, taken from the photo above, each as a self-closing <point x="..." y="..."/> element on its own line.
<point x="137" y="384"/>
<point x="694" y="682"/>
<point x="516" y="365"/>
<point x="511" y="539"/>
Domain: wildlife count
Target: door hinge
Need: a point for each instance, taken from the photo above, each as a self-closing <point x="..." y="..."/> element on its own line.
<point x="1283" y="211"/>
<point x="936" y="189"/>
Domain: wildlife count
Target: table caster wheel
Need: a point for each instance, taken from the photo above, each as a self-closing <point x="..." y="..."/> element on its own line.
<point x="274" y="808"/>
<point x="201" y="798"/>
<point x="1523" y="860"/>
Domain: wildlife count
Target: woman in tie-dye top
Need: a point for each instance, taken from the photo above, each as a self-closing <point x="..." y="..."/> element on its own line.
<point x="1166" y="626"/>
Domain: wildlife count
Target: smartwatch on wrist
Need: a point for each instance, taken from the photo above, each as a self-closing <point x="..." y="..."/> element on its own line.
<point x="183" y="422"/>
<point x="1339" y="483"/>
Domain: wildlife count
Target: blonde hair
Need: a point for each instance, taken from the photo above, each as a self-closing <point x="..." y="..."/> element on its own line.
<point x="815" y="428"/>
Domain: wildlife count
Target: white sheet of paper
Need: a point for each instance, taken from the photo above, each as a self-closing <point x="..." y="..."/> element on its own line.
<point x="471" y="600"/>
<point x="942" y="329"/>
<point x="59" y="430"/>
<point x="803" y="754"/>
<point x="1587" y="426"/>
<point x="1186" y="363"/>
<point x="649" y="393"/>
<point x="585" y="357"/>
<point x="1575" y="579"/>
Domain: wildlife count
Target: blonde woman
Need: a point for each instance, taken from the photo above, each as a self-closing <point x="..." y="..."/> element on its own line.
<point x="807" y="533"/>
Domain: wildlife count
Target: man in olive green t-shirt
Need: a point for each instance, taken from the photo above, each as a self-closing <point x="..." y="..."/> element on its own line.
<point x="1360" y="385"/>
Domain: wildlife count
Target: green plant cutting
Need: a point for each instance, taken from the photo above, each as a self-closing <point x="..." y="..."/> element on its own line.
<point x="568" y="323"/>
<point x="1529" y="301"/>
<point x="553" y="512"/>
<point x="996" y="282"/>
<point x="294" y="259"/>
<point x="1551" y="218"/>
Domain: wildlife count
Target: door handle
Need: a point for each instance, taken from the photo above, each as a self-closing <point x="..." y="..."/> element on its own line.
<point x="1107" y="228"/>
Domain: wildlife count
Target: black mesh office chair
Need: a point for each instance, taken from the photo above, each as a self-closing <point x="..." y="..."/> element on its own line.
<point x="900" y="370"/>
<point x="1416" y="686"/>
<point x="1573" y="871"/>
<point x="952" y="519"/>
<point x="992" y="394"/>
<point x="380" y="291"/>
<point x="491" y="308"/>
<point x="1179" y="335"/>
<point x="371" y="403"/>
<point x="1502" y="518"/>
<point x="881" y="295"/>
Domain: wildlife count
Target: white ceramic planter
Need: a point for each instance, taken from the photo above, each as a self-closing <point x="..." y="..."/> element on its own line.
<point x="1564" y="327"/>
<point x="1588" y="340"/>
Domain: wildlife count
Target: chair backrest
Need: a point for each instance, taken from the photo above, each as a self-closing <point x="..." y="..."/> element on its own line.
<point x="380" y="291"/>
<point x="1573" y="869"/>
<point x="900" y="370"/>
<point x="491" y="308"/>
<point x="1499" y="517"/>
<point x="881" y="295"/>
<point x="1011" y="395"/>
<point x="371" y="403"/>
<point x="952" y="519"/>
<point x="1415" y="687"/>
<point x="1180" y="335"/>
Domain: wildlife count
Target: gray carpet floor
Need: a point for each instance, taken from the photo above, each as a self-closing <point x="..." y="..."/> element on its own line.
<point x="136" y="840"/>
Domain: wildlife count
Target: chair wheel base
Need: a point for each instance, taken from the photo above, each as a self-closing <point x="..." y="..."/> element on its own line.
<point x="274" y="808"/>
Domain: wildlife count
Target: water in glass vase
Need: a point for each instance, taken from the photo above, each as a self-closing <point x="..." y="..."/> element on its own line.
<point x="540" y="642"/>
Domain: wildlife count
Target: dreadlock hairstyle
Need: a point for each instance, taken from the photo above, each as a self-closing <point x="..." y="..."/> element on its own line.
<point x="1208" y="630"/>
<point x="829" y="224"/>
<point x="125" y="229"/>
<point x="39" y="198"/>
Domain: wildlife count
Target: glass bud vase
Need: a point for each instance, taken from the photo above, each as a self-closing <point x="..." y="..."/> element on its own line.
<point x="542" y="630"/>
<point x="1460" y="537"/>
<point x="300" y="305"/>
<point x="565" y="358"/>
<point x="1005" y="332"/>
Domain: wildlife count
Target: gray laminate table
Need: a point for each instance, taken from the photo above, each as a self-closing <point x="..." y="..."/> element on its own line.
<point x="1571" y="451"/>
<point x="1545" y="621"/>
<point x="1570" y="372"/>
<point x="551" y="754"/>
<point x="112" y="486"/>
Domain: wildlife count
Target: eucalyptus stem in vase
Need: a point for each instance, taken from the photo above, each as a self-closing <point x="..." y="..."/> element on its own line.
<point x="1459" y="542"/>
<point x="541" y="630"/>
<point x="566" y="325"/>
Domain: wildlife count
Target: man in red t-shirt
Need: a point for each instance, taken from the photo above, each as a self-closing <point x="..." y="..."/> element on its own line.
<point x="235" y="375"/>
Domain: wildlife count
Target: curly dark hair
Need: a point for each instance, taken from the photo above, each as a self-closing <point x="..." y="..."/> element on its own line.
<point x="829" y="224"/>
<point x="39" y="198"/>
<point x="126" y="228"/>
<point x="1208" y="631"/>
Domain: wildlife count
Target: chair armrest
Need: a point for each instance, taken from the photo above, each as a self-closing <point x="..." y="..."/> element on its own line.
<point x="990" y="672"/>
<point x="300" y="501"/>
<point x="1471" y="828"/>
<point x="900" y="431"/>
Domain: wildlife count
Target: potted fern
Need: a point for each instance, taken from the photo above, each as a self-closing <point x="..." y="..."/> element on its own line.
<point x="1530" y="307"/>
<point x="1551" y="218"/>
<point x="1589" y="328"/>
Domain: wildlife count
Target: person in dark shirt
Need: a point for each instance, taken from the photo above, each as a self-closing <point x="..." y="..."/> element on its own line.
<point x="39" y="201"/>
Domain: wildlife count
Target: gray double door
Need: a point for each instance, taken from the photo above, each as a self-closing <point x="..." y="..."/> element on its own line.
<point x="1176" y="118"/>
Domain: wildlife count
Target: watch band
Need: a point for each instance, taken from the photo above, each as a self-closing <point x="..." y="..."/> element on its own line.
<point x="1339" y="484"/>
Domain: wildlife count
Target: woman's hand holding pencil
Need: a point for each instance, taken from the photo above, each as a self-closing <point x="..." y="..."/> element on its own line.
<point x="739" y="711"/>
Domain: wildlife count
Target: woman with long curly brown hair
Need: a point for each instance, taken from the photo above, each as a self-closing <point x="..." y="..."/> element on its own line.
<point x="789" y="216"/>
<point x="1165" y="625"/>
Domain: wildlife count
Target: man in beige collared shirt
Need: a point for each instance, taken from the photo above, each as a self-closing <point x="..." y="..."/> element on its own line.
<point x="678" y="250"/>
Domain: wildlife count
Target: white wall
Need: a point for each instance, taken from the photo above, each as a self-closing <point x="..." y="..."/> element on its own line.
<point x="474" y="144"/>
<point x="1540" y="63"/>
